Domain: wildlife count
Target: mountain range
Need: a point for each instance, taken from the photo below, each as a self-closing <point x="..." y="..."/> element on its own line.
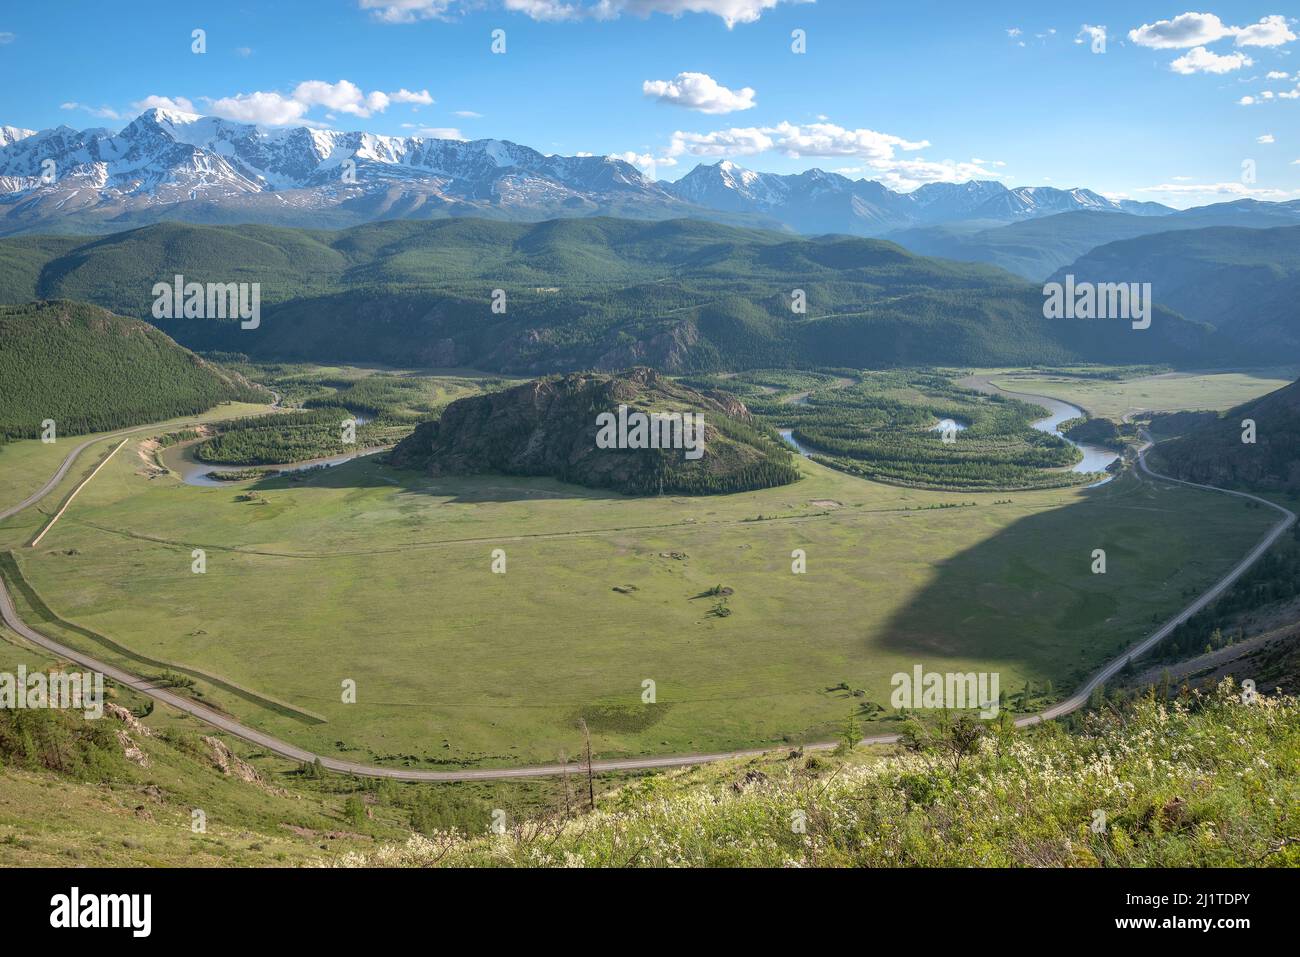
<point x="168" y="165"/>
<point x="1036" y="248"/>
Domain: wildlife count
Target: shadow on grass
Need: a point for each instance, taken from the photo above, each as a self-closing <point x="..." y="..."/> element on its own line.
<point x="1028" y="598"/>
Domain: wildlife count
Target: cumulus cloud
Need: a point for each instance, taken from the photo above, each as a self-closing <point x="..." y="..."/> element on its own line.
<point x="731" y="12"/>
<point x="266" y="109"/>
<point x="1198" y="29"/>
<point x="1201" y="60"/>
<point x="1184" y="30"/>
<point x="794" y="140"/>
<point x="419" y="97"/>
<point x="178" y="104"/>
<point x="699" y="91"/>
<point x="1269" y="32"/>
<point x="878" y="152"/>
<point x="904" y="175"/>
<point x="1266" y="138"/>
<point x="278" y="109"/>
<point x="1246" y="101"/>
<point x="1276" y="75"/>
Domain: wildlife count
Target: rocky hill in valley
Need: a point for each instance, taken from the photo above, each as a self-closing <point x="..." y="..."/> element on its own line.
<point x="550" y="427"/>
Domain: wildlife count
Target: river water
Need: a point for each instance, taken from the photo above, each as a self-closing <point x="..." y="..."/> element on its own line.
<point x="180" y="459"/>
<point x="1095" y="457"/>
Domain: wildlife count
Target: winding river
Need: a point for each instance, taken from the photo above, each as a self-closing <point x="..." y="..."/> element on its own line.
<point x="1096" y="458"/>
<point x="180" y="459"/>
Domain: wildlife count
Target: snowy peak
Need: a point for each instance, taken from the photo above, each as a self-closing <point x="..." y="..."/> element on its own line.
<point x="173" y="164"/>
<point x="12" y="134"/>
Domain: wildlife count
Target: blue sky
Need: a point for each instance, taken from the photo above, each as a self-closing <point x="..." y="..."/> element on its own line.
<point x="902" y="93"/>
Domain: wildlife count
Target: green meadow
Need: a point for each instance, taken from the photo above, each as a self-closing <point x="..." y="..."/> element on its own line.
<point x="384" y="578"/>
<point x="1167" y="392"/>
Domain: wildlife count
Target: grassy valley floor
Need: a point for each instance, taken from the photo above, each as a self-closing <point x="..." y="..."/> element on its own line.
<point x="384" y="577"/>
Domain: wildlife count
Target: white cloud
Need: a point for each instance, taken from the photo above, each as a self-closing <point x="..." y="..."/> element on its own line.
<point x="343" y="96"/>
<point x="1269" y="32"/>
<point x="731" y="12"/>
<point x="1217" y="189"/>
<point x="811" y="139"/>
<point x="1092" y="35"/>
<point x="903" y="175"/>
<point x="420" y="97"/>
<point x="406" y="11"/>
<point x="1014" y="32"/>
<point x="1184" y="30"/>
<point x="178" y="104"/>
<point x="878" y="151"/>
<point x="645" y="162"/>
<point x="440" y="133"/>
<point x="1266" y="138"/>
<point x="467" y="114"/>
<point x="733" y="142"/>
<point x="1246" y="101"/>
<point x="267" y="109"/>
<point x="699" y="91"/>
<point x="277" y="109"/>
<point x="1201" y="60"/>
<point x="1276" y="75"/>
<point x="1198" y="29"/>
<point x="102" y="112"/>
<point x="243" y="51"/>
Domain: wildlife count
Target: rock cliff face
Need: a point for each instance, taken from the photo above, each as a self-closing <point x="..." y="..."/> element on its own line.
<point x="1214" y="454"/>
<point x="550" y="427"/>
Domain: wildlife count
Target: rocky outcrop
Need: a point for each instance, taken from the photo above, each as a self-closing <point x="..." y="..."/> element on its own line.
<point x="549" y="427"/>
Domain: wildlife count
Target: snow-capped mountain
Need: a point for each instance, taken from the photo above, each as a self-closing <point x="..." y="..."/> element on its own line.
<point x="170" y="165"/>
<point x="166" y="164"/>
<point x="816" y="201"/>
<point x="12" y="134"/>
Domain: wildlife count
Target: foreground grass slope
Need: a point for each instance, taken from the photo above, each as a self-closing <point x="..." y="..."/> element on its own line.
<point x="1205" y="781"/>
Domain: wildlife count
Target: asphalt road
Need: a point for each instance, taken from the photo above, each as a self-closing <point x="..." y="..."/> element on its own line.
<point x="287" y="750"/>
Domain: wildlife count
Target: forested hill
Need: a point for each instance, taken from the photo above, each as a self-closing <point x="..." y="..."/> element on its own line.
<point x="552" y="427"/>
<point x="1243" y="282"/>
<point x="681" y="295"/>
<point x="91" y="371"/>
<point x="1215" y="454"/>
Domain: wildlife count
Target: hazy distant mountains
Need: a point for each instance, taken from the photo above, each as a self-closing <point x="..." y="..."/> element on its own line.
<point x="1036" y="248"/>
<point x="821" y="202"/>
<point x="166" y="165"/>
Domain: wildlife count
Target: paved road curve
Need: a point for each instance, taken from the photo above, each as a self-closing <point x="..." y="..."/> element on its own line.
<point x="287" y="750"/>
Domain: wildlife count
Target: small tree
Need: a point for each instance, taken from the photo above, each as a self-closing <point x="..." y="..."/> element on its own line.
<point x="850" y="736"/>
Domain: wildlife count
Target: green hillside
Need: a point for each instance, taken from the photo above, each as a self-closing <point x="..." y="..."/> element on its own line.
<point x="92" y="371"/>
<point x="680" y="295"/>
<point x="1244" y="282"/>
<point x="1215" y="454"/>
<point x="1167" y="779"/>
<point x="1036" y="248"/>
